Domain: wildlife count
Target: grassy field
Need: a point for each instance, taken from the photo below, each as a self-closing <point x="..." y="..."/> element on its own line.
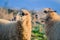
<point x="38" y="33"/>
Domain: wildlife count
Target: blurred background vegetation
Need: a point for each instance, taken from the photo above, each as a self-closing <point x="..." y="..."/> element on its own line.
<point x="38" y="32"/>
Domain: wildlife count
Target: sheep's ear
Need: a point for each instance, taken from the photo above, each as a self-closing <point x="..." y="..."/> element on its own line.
<point x="54" y="11"/>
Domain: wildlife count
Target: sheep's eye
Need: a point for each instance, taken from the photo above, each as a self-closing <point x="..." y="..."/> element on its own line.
<point x="36" y="16"/>
<point x="54" y="11"/>
<point x="45" y="12"/>
<point x="23" y="14"/>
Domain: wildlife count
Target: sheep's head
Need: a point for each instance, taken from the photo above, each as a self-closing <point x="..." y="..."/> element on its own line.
<point x="22" y="15"/>
<point x="46" y="14"/>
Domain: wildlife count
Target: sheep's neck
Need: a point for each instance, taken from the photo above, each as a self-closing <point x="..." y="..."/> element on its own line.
<point x="23" y="29"/>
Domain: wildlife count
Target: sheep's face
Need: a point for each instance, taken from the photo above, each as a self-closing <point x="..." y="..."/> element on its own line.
<point x="36" y="18"/>
<point x="45" y="15"/>
<point x="23" y="15"/>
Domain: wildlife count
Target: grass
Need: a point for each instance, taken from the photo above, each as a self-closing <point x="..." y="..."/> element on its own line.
<point x="38" y="33"/>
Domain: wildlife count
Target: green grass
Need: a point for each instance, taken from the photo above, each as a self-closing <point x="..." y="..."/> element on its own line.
<point x="38" y="34"/>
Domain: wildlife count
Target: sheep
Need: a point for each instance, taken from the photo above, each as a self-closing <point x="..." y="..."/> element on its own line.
<point x="51" y="21"/>
<point x="16" y="30"/>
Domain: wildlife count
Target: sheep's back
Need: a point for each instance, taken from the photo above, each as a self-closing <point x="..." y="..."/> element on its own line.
<point x="8" y="31"/>
<point x="53" y="32"/>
